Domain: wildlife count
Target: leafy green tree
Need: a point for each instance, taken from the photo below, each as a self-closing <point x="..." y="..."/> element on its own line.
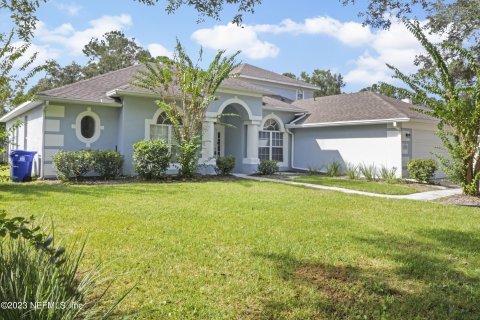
<point x="328" y="84"/>
<point x="456" y="103"/>
<point x="290" y="75"/>
<point x="193" y="89"/>
<point x="112" y="52"/>
<point x="209" y="8"/>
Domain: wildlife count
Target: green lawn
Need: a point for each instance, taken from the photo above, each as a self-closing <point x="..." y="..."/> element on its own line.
<point x="361" y="185"/>
<point x="252" y="250"/>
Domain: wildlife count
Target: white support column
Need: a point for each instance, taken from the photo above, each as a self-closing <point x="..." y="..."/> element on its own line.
<point x="208" y="140"/>
<point x="252" y="142"/>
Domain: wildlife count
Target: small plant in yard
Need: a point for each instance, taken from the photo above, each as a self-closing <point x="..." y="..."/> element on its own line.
<point x="151" y="158"/>
<point x="422" y="170"/>
<point x="313" y="171"/>
<point x="333" y="169"/>
<point x="32" y="270"/>
<point x="352" y="171"/>
<point x="388" y="175"/>
<point x="267" y="167"/>
<point x="107" y="163"/>
<point x="225" y="165"/>
<point x="368" y="171"/>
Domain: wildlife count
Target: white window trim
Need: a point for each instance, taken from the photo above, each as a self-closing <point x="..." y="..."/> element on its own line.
<point x="302" y="92"/>
<point x="285" y="137"/>
<point x="153" y="121"/>
<point x="78" y="127"/>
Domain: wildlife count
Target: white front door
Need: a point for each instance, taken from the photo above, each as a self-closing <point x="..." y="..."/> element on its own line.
<point x="219" y="141"/>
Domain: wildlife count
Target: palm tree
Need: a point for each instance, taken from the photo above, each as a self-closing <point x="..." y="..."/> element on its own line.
<point x="186" y="91"/>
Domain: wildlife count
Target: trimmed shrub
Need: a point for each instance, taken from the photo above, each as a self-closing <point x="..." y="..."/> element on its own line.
<point x="388" y="174"/>
<point x="151" y="158"/>
<point x="368" y="171"/>
<point x="225" y="165"/>
<point x="107" y="163"/>
<point x="422" y="170"/>
<point x="267" y="167"/>
<point x="333" y="169"/>
<point x="351" y="170"/>
<point x="73" y="164"/>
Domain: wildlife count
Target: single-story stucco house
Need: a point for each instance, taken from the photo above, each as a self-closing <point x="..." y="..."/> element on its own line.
<point x="278" y="119"/>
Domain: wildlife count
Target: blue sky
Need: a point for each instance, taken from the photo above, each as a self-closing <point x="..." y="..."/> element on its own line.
<point x="280" y="36"/>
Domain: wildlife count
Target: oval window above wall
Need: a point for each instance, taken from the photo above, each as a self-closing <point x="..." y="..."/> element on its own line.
<point x="87" y="127"/>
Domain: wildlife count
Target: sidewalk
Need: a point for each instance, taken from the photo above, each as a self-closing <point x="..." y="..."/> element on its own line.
<point x="422" y="196"/>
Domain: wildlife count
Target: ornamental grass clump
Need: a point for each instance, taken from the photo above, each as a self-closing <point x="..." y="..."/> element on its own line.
<point x="39" y="280"/>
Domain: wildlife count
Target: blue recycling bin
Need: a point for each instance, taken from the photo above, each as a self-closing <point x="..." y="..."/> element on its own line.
<point x="21" y="165"/>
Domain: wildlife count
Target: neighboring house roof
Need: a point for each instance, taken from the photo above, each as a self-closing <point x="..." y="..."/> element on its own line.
<point x="103" y="88"/>
<point x="276" y="102"/>
<point x="357" y="107"/>
<point x="252" y="72"/>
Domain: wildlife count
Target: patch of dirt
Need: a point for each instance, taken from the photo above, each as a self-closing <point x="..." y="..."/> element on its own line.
<point x="461" y="200"/>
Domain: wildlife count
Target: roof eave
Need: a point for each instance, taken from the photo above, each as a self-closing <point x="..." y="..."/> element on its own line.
<point x="283" y="109"/>
<point x="22" y="108"/>
<point x="347" y="123"/>
<point x="79" y="101"/>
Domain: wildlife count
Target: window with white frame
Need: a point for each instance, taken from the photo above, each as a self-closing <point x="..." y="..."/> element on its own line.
<point x="163" y="130"/>
<point x="300" y="95"/>
<point x="270" y="141"/>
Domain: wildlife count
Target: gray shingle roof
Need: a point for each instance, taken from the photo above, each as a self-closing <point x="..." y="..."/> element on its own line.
<point x="356" y="107"/>
<point x="280" y="103"/>
<point x="96" y="88"/>
<point x="256" y="72"/>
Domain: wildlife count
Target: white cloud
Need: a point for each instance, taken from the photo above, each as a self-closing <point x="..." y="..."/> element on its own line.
<point x="157" y="50"/>
<point x="246" y="38"/>
<point x="396" y="46"/>
<point x="74" y="40"/>
<point x="44" y="53"/>
<point x="72" y="9"/>
<point x="232" y="38"/>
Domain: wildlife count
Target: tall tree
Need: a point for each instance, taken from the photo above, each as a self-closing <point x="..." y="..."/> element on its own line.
<point x="112" y="52"/>
<point x="192" y="89"/>
<point x="389" y="91"/>
<point x="456" y="104"/>
<point x="329" y="84"/>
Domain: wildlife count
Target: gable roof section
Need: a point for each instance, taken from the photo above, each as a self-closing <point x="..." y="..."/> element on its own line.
<point x="102" y="88"/>
<point x="279" y="103"/>
<point x="357" y="107"/>
<point x="249" y="71"/>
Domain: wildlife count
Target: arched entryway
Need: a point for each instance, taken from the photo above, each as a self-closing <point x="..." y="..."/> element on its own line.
<point x="235" y="134"/>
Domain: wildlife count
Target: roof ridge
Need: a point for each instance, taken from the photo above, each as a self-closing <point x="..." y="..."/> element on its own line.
<point x="287" y="79"/>
<point x="387" y="103"/>
<point x="89" y="79"/>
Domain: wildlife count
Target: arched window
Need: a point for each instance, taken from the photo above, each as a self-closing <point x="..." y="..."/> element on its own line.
<point x="271" y="141"/>
<point x="162" y="129"/>
<point x="163" y="119"/>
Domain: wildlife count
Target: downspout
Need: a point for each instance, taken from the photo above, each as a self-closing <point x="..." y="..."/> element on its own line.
<point x="292" y="152"/>
<point x="42" y="160"/>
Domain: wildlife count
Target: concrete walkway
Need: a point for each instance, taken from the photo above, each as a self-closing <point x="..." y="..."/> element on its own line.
<point x="422" y="196"/>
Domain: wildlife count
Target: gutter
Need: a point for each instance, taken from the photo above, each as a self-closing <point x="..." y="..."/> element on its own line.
<point x="80" y="101"/>
<point x="348" y="123"/>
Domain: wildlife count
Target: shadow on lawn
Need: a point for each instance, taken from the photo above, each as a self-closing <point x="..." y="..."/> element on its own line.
<point x="426" y="281"/>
